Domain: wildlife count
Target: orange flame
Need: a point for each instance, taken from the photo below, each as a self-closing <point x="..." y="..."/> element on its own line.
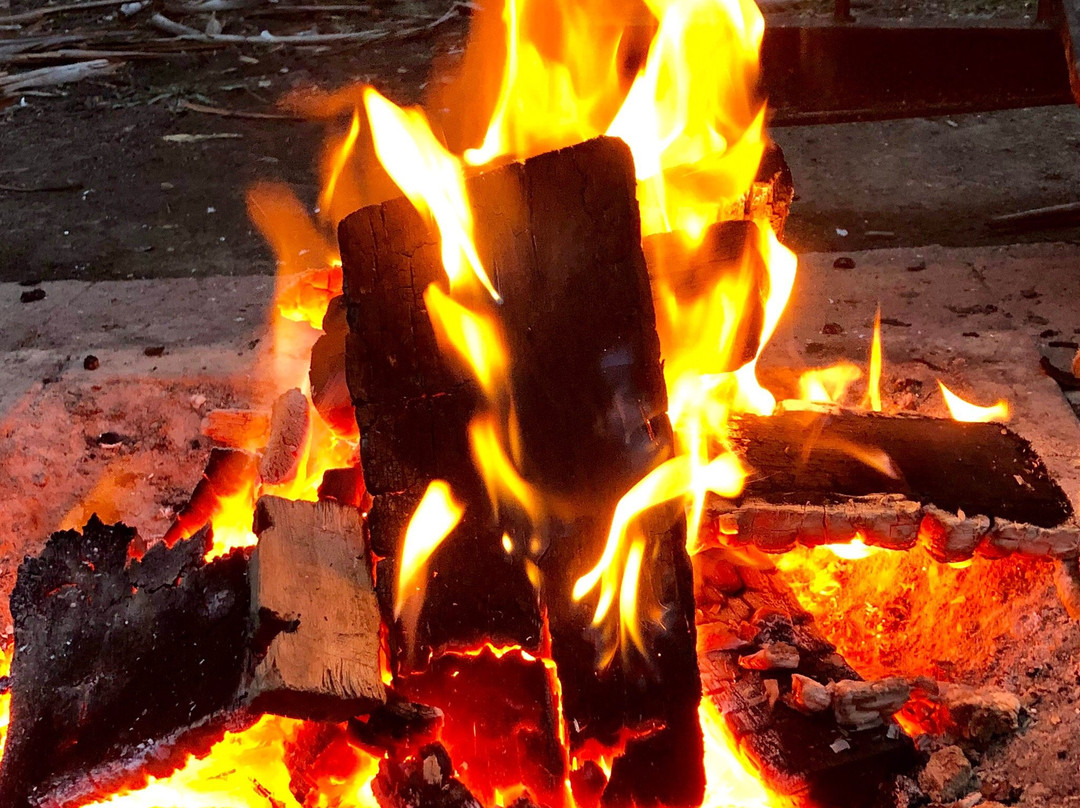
<point x="962" y="410"/>
<point x="248" y="770"/>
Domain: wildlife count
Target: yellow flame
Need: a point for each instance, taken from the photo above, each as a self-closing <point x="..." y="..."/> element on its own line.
<point x="630" y="621"/>
<point x="691" y="118"/>
<point x="499" y="473"/>
<point x="730" y="780"/>
<point x="853" y="550"/>
<point x="474" y="337"/>
<point x="431" y="177"/>
<point x="340" y="161"/>
<point x="828" y="385"/>
<point x="873" y="387"/>
<point x="435" y="517"/>
<point x="965" y="411"/>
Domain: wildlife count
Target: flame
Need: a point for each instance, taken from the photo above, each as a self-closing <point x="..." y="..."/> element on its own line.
<point x="233" y="521"/>
<point x="873" y="386"/>
<point x="962" y="410"/>
<point x="431" y="177"/>
<point x="691" y="118"/>
<point x="248" y="770"/>
<point x="852" y="551"/>
<point x="6" y="654"/>
<point x="828" y="385"/>
<point x="433" y="520"/>
<point x="730" y="780"/>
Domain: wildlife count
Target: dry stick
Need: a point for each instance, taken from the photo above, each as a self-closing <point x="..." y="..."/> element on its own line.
<point x="61" y="74"/>
<point x="237" y="113"/>
<point x="1035" y="218"/>
<point x="38" y="13"/>
<point x="65" y="54"/>
<point x="71" y="186"/>
<point x="163" y="23"/>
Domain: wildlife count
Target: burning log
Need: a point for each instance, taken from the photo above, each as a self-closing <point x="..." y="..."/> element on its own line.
<point x="237" y="429"/>
<point x="561" y="235"/>
<point x="120" y="669"/>
<point x="959" y="488"/>
<point x="289" y="423"/>
<point x="123" y="669"/>
<point x="329" y="391"/>
<point x="424" y="780"/>
<point x="795" y="741"/>
<point x="227" y="473"/>
<point x="313" y="594"/>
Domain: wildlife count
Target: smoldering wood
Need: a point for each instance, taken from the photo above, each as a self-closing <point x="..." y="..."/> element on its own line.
<point x="119" y="670"/>
<point x="399" y="727"/>
<point x="818" y="458"/>
<point x="560" y="237"/>
<point x="237" y="429"/>
<point x="889" y="521"/>
<point x="427" y="779"/>
<point x="290" y="421"/>
<point x="808" y="754"/>
<point x="314" y="598"/>
<point x="344" y="485"/>
<point x="227" y="472"/>
<point x="329" y="391"/>
<point x="501" y="720"/>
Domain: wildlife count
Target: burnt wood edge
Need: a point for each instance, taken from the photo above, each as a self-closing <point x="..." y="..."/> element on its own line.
<point x="889" y="521"/>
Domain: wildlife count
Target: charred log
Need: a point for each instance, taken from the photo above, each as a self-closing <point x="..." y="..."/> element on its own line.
<point x="798" y="751"/>
<point x="120" y="670"/>
<point x="424" y="780"/>
<point x="561" y="237"/>
<point x="821" y="458"/>
<point x="399" y="727"/>
<point x="227" y="472"/>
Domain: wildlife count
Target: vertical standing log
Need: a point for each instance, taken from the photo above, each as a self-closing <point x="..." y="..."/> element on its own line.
<point x="560" y="236"/>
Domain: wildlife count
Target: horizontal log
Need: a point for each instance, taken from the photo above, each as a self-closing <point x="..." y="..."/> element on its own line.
<point x="889" y="521"/>
<point x="805" y="457"/>
<point x="237" y="429"/>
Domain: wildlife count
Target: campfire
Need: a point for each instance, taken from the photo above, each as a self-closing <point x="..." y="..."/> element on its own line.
<point x="525" y="523"/>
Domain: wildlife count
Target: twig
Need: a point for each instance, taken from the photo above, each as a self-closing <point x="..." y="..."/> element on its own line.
<point x="40" y="189"/>
<point x="60" y="74"/>
<point x="67" y="54"/>
<point x="45" y="11"/>
<point x="163" y="23"/>
<point x="1035" y="218"/>
<point x="208" y="6"/>
<point x="238" y="113"/>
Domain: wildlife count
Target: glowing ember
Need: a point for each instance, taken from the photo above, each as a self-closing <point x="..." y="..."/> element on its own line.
<point x="248" y="770"/>
<point x="964" y="411"/>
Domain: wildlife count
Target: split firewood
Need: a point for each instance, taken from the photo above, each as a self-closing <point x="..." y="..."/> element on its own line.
<point x="227" y="472"/>
<point x="315" y="604"/>
<point x="972" y="717"/>
<point x="237" y="429"/>
<point x="329" y="391"/>
<point x="289" y="424"/>
<point x="975" y="468"/>
<point x="562" y="230"/>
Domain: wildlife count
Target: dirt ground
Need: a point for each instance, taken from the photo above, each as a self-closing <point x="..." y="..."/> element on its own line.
<point x="131" y="204"/>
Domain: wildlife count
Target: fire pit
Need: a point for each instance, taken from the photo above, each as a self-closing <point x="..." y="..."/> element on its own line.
<point x="506" y="537"/>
